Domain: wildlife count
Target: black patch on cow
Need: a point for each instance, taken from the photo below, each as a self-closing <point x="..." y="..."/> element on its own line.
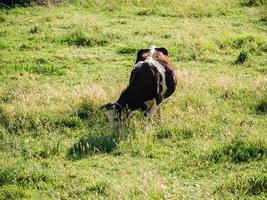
<point x="160" y="88"/>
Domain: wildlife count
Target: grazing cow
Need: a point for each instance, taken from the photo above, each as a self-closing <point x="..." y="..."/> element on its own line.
<point x="152" y="80"/>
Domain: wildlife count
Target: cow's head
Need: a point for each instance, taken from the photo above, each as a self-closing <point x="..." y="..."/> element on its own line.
<point x="114" y="114"/>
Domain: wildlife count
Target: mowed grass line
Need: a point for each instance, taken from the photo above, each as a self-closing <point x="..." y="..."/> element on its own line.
<point x="59" y="64"/>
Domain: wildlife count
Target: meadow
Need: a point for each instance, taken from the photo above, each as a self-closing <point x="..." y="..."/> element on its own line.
<point x="60" y="62"/>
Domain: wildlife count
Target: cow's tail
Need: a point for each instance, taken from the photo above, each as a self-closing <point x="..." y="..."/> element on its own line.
<point x="159" y="89"/>
<point x="152" y="50"/>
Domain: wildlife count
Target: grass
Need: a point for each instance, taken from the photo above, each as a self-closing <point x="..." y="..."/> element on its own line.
<point x="251" y="185"/>
<point x="239" y="151"/>
<point x="61" y="62"/>
<point x="80" y="39"/>
<point x="242" y="57"/>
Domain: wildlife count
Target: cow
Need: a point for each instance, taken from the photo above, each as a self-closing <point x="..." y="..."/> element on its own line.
<point x="151" y="81"/>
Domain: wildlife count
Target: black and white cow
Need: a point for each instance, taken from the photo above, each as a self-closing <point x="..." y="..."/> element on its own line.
<point x="152" y="80"/>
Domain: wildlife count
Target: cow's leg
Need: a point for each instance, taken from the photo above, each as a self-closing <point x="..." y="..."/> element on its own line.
<point x="126" y="116"/>
<point x="149" y="113"/>
<point x="158" y="112"/>
<point x="151" y="109"/>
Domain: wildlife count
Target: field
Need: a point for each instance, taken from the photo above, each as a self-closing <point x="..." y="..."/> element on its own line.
<point x="60" y="62"/>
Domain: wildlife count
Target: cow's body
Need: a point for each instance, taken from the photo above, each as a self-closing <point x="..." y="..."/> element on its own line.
<point x="151" y="81"/>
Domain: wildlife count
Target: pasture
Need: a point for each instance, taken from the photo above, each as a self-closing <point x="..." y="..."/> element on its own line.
<point x="59" y="63"/>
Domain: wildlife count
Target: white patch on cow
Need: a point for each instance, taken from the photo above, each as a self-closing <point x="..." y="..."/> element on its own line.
<point x="139" y="64"/>
<point x="162" y="71"/>
<point x="113" y="118"/>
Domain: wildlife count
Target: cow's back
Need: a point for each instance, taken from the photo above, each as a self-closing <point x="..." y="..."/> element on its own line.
<point x="143" y="82"/>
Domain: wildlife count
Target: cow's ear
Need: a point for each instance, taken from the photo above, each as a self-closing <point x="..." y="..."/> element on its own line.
<point x="141" y="55"/>
<point x="106" y="106"/>
<point x="163" y="50"/>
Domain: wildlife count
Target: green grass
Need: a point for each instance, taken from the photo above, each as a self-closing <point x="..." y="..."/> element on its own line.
<point x="60" y="63"/>
<point x="239" y="151"/>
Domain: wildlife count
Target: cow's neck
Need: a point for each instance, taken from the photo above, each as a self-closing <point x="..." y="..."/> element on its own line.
<point x="123" y="100"/>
